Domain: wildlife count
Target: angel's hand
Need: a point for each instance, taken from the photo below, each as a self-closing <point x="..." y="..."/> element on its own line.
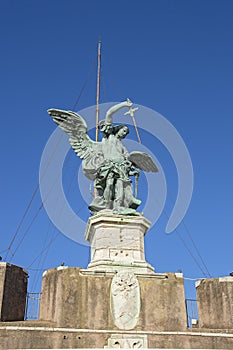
<point x="129" y="103"/>
<point x="134" y="172"/>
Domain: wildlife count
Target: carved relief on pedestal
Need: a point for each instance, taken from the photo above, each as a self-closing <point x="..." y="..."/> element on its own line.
<point x="125" y="300"/>
<point x="127" y="342"/>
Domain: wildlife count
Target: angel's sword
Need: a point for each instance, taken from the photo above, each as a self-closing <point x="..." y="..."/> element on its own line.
<point x="131" y="113"/>
<point x="136" y="186"/>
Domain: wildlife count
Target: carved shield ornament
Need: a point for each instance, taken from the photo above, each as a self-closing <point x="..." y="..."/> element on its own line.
<point x="125" y="300"/>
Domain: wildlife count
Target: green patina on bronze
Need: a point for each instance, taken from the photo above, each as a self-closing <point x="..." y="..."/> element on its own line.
<point x="107" y="163"/>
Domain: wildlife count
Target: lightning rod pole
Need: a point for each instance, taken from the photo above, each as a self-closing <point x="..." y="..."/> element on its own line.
<point x="97" y="92"/>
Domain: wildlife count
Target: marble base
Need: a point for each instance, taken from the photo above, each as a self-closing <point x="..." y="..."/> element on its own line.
<point x="117" y="242"/>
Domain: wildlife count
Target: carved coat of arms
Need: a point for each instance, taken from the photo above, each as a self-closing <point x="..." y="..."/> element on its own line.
<point x="125" y="300"/>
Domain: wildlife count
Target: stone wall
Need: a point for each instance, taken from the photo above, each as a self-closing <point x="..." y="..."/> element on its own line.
<point x="215" y="303"/>
<point x="76" y="312"/>
<point x="78" y="298"/>
<point x="71" y="299"/>
<point x="42" y="336"/>
<point x="13" y="292"/>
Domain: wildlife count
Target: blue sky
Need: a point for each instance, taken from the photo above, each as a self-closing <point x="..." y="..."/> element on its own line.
<point x="172" y="56"/>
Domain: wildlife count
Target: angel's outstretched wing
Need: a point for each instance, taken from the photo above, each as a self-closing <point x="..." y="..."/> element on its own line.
<point x="87" y="149"/>
<point x="142" y="161"/>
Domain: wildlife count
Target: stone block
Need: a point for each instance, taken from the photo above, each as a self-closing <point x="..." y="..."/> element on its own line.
<point x="73" y="297"/>
<point x="162" y="302"/>
<point x="215" y="303"/>
<point x="13" y="292"/>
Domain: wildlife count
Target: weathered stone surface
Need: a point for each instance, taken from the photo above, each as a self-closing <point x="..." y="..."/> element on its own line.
<point x="13" y="292"/>
<point x="215" y="302"/>
<point x="79" y="304"/>
<point x="26" y="335"/>
<point x="78" y="310"/>
<point x="162" y="303"/>
<point x="125" y="300"/>
<point x="127" y="341"/>
<point x="117" y="242"/>
<point x="73" y="297"/>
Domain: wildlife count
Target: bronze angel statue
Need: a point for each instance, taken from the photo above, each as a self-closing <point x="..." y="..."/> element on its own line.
<point x="107" y="163"/>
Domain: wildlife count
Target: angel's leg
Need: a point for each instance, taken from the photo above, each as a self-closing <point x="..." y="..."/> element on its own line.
<point x="119" y="194"/>
<point x="128" y="194"/>
<point x="109" y="189"/>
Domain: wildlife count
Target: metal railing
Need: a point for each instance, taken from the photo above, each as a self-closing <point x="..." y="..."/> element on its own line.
<point x="192" y="312"/>
<point x="32" y="306"/>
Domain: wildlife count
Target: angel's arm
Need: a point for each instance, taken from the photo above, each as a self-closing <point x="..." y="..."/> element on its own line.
<point x="134" y="171"/>
<point x="114" y="109"/>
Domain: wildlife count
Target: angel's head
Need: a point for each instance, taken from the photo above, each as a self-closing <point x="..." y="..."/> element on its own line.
<point x="120" y="131"/>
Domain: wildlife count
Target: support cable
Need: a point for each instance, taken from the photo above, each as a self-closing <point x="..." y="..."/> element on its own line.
<point x="8" y="250"/>
<point x="33" y="219"/>
<point x="42" y="251"/>
<point x="42" y="262"/>
<point x="190" y="237"/>
<point x="187" y="248"/>
<point x="193" y="243"/>
<point x="21" y="221"/>
<point x="25" y="233"/>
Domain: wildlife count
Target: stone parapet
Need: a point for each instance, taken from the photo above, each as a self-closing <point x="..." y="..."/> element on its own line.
<point x="13" y="292"/>
<point x="73" y="297"/>
<point x="215" y="302"/>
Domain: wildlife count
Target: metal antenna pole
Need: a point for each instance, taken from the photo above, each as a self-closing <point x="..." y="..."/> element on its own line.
<point x="97" y="93"/>
<point x="97" y="100"/>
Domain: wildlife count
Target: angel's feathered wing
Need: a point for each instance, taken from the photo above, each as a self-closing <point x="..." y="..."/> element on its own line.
<point x="87" y="149"/>
<point x="143" y="161"/>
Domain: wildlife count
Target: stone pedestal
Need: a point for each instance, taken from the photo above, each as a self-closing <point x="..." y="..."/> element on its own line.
<point x="13" y="292"/>
<point x="117" y="242"/>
